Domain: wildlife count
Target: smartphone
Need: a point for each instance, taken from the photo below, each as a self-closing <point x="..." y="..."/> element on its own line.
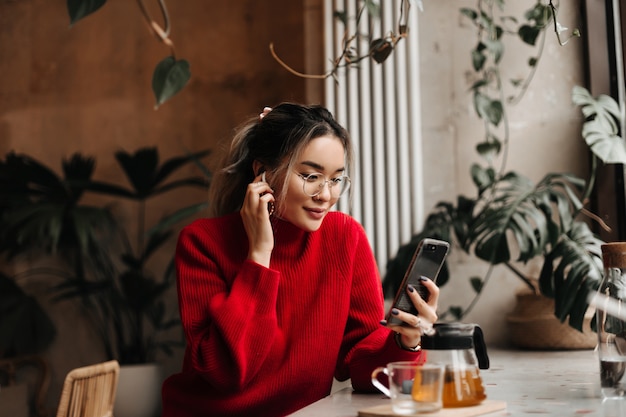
<point x="427" y="261"/>
<point x="270" y="206"/>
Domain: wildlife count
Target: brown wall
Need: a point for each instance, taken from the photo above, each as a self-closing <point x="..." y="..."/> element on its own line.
<point x="88" y="89"/>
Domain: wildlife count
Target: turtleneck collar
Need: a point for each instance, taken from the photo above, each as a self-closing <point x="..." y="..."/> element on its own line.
<point x="289" y="239"/>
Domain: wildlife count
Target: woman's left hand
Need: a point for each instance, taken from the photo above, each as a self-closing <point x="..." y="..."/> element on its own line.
<point x="423" y="322"/>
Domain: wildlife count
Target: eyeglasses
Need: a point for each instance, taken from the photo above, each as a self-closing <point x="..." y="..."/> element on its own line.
<point x="313" y="184"/>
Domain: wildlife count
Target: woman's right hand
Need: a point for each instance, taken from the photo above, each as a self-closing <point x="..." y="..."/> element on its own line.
<point x="256" y="221"/>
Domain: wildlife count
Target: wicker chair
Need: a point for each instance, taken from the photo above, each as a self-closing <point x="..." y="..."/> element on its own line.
<point x="90" y="391"/>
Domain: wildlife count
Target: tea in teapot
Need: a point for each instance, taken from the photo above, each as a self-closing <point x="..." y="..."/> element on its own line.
<point x="461" y="349"/>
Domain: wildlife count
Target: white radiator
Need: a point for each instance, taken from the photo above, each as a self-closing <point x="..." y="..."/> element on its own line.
<point x="380" y="105"/>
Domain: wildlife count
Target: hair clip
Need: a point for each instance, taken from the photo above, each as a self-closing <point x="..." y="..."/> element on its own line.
<point x="265" y="112"/>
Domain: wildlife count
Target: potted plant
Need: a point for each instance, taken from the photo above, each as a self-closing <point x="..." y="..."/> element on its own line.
<point x="511" y="221"/>
<point x="103" y="265"/>
<point x="26" y="330"/>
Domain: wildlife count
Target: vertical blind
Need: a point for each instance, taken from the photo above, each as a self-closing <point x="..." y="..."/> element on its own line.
<point x="380" y="105"/>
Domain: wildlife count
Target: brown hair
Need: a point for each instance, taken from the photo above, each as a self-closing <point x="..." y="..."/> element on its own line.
<point x="276" y="141"/>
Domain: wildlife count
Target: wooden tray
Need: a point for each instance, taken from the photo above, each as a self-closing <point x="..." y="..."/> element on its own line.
<point x="487" y="406"/>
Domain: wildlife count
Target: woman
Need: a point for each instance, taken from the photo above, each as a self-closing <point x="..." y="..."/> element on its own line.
<point x="277" y="293"/>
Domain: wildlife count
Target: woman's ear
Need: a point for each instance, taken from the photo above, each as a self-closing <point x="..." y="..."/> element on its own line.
<point x="258" y="168"/>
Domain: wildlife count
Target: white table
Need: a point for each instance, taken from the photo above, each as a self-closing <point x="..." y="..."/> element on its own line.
<point x="545" y="383"/>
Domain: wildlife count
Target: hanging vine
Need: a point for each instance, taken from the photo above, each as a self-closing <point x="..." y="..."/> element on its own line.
<point x="170" y="75"/>
<point x="379" y="49"/>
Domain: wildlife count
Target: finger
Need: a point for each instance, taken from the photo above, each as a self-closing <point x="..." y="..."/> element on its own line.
<point x="256" y="199"/>
<point x="415" y="325"/>
<point x="425" y="309"/>
<point x="258" y="188"/>
<point x="408" y="318"/>
<point x="267" y="200"/>
<point x="433" y="291"/>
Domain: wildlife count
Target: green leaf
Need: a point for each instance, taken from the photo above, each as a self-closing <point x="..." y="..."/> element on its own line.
<point x="342" y="16"/>
<point x="478" y="84"/>
<point x="541" y="14"/>
<point x="179" y="215"/>
<point x="571" y="270"/>
<point x="528" y="34"/>
<point x="496" y="48"/>
<point x="603" y="106"/>
<point x="471" y="13"/>
<point x="478" y="59"/>
<point x="78" y="9"/>
<point x="522" y="215"/>
<point x="477" y="284"/>
<point x="45" y="212"/>
<point x="601" y="128"/>
<point x="486" y="22"/>
<point x="373" y="8"/>
<point x="170" y="76"/>
<point x="489" y="149"/>
<point x="604" y="143"/>
<point x="146" y="176"/>
<point x="380" y="50"/>
<point x="456" y="312"/>
<point x="488" y="109"/>
<point x="483" y="178"/>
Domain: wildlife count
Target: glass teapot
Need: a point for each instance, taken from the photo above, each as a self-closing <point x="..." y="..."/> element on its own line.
<point x="461" y="348"/>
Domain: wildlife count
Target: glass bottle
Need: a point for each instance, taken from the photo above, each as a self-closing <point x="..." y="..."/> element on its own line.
<point x="611" y="321"/>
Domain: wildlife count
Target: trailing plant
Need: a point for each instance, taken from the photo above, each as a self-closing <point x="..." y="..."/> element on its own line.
<point x="380" y="48"/>
<point x="511" y="221"/>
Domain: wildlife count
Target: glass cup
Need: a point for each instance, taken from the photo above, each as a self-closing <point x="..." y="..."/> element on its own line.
<point x="412" y="388"/>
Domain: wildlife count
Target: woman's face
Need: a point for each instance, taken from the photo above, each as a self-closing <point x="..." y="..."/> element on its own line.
<point x="323" y="155"/>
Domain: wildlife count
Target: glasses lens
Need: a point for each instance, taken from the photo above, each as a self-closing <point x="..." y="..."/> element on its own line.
<point x="340" y="186"/>
<point x="314" y="183"/>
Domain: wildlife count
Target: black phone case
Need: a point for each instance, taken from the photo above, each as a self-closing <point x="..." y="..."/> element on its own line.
<point x="427" y="261"/>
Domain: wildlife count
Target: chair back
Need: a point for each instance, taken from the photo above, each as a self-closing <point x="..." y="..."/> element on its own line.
<point x="90" y="391"/>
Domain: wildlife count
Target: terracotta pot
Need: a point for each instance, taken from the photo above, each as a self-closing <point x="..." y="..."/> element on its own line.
<point x="533" y="325"/>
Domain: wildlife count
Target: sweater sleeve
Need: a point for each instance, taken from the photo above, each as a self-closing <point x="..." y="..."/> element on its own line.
<point x="367" y="344"/>
<point x="230" y="322"/>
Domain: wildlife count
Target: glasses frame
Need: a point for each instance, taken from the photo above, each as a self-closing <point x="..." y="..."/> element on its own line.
<point x="330" y="182"/>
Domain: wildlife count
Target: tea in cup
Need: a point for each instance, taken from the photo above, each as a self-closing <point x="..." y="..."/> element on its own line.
<point x="413" y="388"/>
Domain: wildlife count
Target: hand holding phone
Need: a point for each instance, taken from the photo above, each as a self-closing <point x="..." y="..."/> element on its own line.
<point x="427" y="261"/>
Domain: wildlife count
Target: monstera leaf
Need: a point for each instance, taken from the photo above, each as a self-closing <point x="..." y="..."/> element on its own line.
<point x="528" y="216"/>
<point x="571" y="269"/>
<point x="601" y="128"/>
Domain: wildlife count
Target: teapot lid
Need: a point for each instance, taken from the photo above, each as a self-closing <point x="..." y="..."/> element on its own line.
<point x="452" y="336"/>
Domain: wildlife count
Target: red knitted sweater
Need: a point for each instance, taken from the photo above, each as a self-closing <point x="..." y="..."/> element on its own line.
<point x="268" y="341"/>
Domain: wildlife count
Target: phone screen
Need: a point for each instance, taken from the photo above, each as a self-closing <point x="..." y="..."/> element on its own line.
<point x="427" y="261"/>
